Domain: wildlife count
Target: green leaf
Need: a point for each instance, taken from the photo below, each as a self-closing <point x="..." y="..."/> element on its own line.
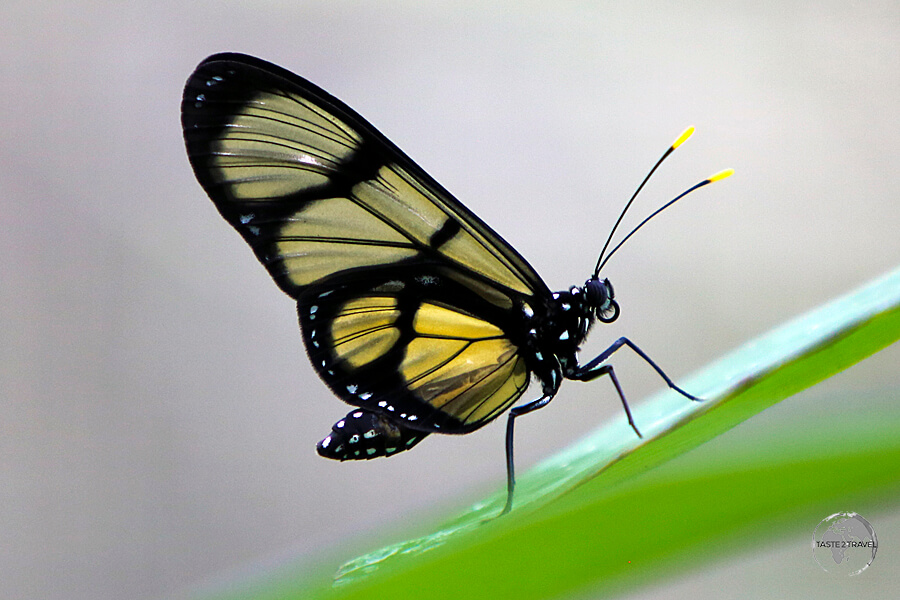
<point x="568" y="508"/>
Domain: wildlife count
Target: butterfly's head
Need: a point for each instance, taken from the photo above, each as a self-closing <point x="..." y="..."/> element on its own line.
<point x="600" y="297"/>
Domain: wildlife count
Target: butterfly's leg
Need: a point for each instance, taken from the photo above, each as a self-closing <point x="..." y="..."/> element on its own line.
<point x="595" y="369"/>
<point x="510" y="424"/>
<point x="591" y="371"/>
<point x="582" y="375"/>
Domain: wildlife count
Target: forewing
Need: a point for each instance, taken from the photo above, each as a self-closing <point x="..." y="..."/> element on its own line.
<point x="319" y="193"/>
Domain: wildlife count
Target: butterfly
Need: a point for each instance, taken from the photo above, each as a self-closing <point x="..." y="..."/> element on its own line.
<point x="412" y="309"/>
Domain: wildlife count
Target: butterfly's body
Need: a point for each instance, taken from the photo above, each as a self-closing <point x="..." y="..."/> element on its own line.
<point x="412" y="309"/>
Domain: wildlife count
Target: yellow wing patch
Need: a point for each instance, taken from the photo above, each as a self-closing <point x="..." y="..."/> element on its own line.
<point x="470" y="381"/>
<point x="364" y="330"/>
<point x="436" y="321"/>
<point x="276" y="145"/>
<point x="399" y="197"/>
<point x="335" y="234"/>
<point x="461" y="365"/>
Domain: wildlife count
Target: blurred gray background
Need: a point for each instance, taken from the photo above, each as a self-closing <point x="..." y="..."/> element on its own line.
<point x="159" y="417"/>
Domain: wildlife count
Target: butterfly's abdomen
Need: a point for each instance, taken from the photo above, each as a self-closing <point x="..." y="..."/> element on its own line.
<point x="363" y="434"/>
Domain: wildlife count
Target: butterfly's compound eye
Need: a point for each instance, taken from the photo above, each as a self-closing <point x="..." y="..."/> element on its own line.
<point x="596" y="293"/>
<point x="599" y="293"/>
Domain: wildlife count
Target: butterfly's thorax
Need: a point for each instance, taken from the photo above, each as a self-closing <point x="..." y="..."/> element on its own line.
<point x="555" y="334"/>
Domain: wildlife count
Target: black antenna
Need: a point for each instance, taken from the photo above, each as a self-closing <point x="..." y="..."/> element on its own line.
<point x="681" y="139"/>
<point x="717" y="177"/>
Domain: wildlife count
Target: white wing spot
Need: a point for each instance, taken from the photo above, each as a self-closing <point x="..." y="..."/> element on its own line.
<point x="340" y="424"/>
<point x="352" y="388"/>
<point x="357" y="414"/>
<point x="382" y="404"/>
<point x="326" y="441"/>
<point x="365" y="396"/>
<point x="564" y="335"/>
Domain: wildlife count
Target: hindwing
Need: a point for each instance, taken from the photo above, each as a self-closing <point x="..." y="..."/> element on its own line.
<point x="423" y="350"/>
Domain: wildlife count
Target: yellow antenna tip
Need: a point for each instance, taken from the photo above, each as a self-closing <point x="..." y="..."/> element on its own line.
<point x="721" y="175"/>
<point x="683" y="137"/>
